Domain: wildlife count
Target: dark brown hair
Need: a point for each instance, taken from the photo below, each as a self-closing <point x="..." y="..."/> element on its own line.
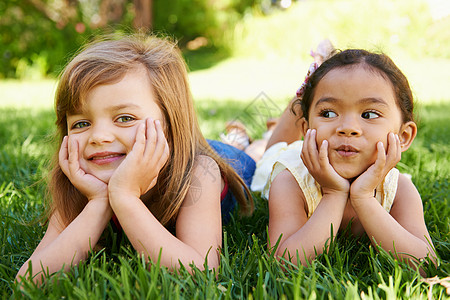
<point x="380" y="63"/>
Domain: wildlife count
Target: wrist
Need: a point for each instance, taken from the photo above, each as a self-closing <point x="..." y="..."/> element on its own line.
<point x="359" y="200"/>
<point x="118" y="194"/>
<point x="98" y="199"/>
<point x="100" y="205"/>
<point x="338" y="198"/>
<point x="336" y="193"/>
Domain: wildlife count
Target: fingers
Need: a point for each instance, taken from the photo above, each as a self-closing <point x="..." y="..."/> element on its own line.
<point x="151" y="136"/>
<point x="386" y="160"/>
<point x="151" y="145"/>
<point x="162" y="147"/>
<point x="64" y="156"/>
<point x="313" y="158"/>
<point x="139" y="144"/>
<point x="69" y="157"/>
<point x="310" y="155"/>
<point x="380" y="163"/>
<point x="394" y="153"/>
<point x="323" y="154"/>
<point x="74" y="164"/>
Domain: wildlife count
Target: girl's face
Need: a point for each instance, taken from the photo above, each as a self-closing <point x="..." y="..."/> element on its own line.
<point x="353" y="109"/>
<point x="106" y="126"/>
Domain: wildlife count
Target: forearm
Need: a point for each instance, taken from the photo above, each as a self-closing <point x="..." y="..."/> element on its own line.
<point x="150" y="238"/>
<point x="314" y="234"/>
<point x="385" y="231"/>
<point x="72" y="244"/>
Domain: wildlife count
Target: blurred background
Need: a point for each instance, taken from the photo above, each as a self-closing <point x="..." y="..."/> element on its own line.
<point x="236" y="50"/>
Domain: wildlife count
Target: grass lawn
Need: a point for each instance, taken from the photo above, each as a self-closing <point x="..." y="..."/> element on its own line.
<point x="350" y="268"/>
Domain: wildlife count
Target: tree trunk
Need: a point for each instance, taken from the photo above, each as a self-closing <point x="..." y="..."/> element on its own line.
<point x="143" y="17"/>
<point x="110" y="11"/>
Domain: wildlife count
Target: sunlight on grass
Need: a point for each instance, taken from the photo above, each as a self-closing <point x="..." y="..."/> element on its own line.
<point x="244" y="78"/>
<point x="31" y="94"/>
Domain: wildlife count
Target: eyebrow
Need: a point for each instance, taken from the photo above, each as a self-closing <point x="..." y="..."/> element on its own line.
<point x="370" y="100"/>
<point x="112" y="108"/>
<point x="122" y="106"/>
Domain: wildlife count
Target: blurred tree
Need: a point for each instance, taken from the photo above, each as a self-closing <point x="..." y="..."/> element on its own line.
<point x="36" y="36"/>
<point x="143" y="14"/>
<point x="60" y="12"/>
<point x="109" y="12"/>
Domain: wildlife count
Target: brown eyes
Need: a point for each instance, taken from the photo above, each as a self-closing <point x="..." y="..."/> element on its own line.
<point x="365" y="115"/>
<point x="370" y="115"/>
<point x="328" y="114"/>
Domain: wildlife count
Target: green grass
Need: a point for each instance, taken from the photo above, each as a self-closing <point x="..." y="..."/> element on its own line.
<point x="350" y="269"/>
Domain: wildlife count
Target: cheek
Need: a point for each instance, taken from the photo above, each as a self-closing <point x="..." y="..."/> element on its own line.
<point x="385" y="142"/>
<point x="321" y="135"/>
<point x="129" y="138"/>
<point x="77" y="140"/>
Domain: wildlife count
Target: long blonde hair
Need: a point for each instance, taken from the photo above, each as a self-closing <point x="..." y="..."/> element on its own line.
<point x="108" y="61"/>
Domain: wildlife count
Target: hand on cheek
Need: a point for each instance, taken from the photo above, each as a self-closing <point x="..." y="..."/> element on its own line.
<point x="363" y="187"/>
<point x="69" y="161"/>
<point x="139" y="171"/>
<point x="318" y="165"/>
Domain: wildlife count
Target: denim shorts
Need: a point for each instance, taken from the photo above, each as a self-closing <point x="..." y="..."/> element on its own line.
<point x="244" y="166"/>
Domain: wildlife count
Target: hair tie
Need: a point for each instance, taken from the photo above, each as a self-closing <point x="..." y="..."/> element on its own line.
<point x="312" y="68"/>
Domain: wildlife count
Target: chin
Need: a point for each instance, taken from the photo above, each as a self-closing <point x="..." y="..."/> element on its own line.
<point x="105" y="177"/>
<point x="349" y="174"/>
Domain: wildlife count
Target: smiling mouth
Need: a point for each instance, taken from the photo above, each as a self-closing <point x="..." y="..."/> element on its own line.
<point x="106" y="156"/>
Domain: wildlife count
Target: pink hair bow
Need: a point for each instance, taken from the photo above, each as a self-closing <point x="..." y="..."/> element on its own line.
<point x="312" y="68"/>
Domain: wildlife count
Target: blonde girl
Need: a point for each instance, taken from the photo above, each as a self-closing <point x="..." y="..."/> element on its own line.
<point x="356" y="116"/>
<point x="131" y="150"/>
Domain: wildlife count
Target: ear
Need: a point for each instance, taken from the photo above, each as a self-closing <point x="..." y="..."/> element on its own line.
<point x="304" y="126"/>
<point x="407" y="133"/>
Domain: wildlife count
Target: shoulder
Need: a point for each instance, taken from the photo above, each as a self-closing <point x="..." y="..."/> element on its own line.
<point x="406" y="188"/>
<point x="205" y="165"/>
<point x="206" y="175"/>
<point x="407" y="198"/>
<point x="205" y="184"/>
<point x="285" y="188"/>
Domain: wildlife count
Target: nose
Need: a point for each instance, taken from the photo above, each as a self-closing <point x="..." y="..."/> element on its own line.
<point x="100" y="134"/>
<point x="349" y="126"/>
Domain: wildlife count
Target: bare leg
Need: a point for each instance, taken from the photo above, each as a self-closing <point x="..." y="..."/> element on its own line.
<point x="288" y="129"/>
<point x="256" y="149"/>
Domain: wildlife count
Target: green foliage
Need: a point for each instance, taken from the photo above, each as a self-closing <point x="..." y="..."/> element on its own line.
<point x="402" y="26"/>
<point x="36" y="40"/>
<point x="350" y="269"/>
<point x="186" y="19"/>
<point x="31" y="45"/>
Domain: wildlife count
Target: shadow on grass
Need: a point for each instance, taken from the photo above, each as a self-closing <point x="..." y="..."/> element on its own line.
<point x="214" y="114"/>
<point x="204" y="58"/>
